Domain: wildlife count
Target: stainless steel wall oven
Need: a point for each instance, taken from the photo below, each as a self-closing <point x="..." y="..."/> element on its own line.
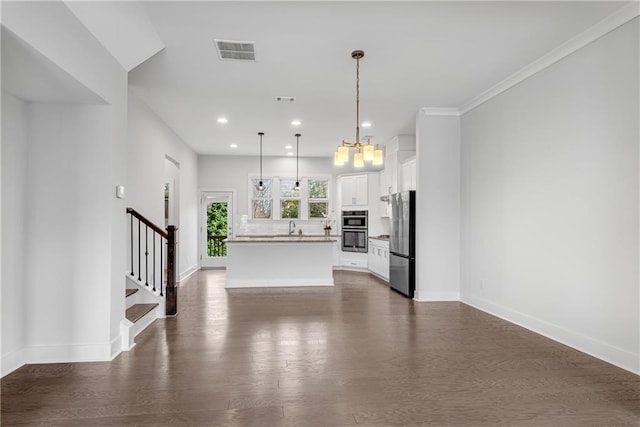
<point x="355" y="229"/>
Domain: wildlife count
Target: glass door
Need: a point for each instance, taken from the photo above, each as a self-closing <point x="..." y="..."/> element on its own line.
<point x="216" y="227"/>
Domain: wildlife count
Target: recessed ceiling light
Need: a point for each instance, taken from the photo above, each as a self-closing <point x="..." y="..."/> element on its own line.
<point x="288" y="147"/>
<point x="296" y="123"/>
<point x="366" y="124"/>
<point x="233" y="145"/>
<point x="222" y="120"/>
<point x="289" y="153"/>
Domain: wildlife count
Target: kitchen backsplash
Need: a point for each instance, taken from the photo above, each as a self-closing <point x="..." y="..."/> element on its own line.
<point x="245" y="226"/>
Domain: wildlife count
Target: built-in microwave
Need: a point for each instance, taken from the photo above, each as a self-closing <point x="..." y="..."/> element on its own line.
<point x="354" y="219"/>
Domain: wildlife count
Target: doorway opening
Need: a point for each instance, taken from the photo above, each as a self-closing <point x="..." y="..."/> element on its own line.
<point x="217" y="225"/>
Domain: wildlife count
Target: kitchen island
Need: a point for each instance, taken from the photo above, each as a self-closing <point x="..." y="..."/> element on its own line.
<point x="279" y="261"/>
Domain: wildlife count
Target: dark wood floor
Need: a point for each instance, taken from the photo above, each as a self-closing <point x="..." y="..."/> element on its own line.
<point x="353" y="354"/>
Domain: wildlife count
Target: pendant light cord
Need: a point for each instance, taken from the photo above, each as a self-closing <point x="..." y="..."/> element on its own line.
<point x="260" y="184"/>
<point x="297" y="160"/>
<point x="357" y="100"/>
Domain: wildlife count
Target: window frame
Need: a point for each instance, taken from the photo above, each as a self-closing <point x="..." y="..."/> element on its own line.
<point x="277" y="197"/>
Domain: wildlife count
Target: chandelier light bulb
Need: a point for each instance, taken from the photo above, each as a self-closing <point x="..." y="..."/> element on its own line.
<point x="367" y="152"/>
<point x="378" y="158"/>
<point x="358" y="160"/>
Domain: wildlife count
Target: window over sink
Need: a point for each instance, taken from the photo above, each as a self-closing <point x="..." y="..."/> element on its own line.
<point x="310" y="201"/>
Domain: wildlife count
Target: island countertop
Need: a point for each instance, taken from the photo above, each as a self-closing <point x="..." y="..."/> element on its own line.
<point x="280" y="238"/>
<point x="279" y="260"/>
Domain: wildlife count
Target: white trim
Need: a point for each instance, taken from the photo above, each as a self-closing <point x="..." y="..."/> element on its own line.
<point x="351" y="268"/>
<point x="433" y="111"/>
<point x="608" y="24"/>
<point x="614" y="355"/>
<point x="279" y="283"/>
<point x="188" y="272"/>
<point x="12" y="361"/>
<point x="127" y="340"/>
<point x="68" y="353"/>
<point x="435" y="296"/>
<point x="116" y="346"/>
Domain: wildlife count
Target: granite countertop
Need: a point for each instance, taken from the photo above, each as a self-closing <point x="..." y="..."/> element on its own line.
<point x="383" y="237"/>
<point x="283" y="238"/>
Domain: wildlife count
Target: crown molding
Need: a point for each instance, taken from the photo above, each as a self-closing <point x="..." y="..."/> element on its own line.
<point x="608" y="24"/>
<point x="432" y="111"/>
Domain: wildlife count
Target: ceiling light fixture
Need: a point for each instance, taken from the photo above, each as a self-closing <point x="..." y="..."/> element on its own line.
<point x="260" y="183"/>
<point x="366" y="124"/>
<point x="234" y="145"/>
<point x="296" y="123"/>
<point x="365" y="151"/>
<point x="297" y="187"/>
<point x="222" y="120"/>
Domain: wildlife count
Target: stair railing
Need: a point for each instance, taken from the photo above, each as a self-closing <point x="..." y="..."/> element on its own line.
<point x="149" y="249"/>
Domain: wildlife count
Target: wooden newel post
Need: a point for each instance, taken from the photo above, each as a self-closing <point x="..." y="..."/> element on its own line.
<point x="171" y="295"/>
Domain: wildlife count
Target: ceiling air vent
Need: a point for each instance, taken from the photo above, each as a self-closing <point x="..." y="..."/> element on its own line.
<point x="236" y="50"/>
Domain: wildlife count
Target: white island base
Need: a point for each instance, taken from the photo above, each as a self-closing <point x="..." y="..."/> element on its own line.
<point x="254" y="262"/>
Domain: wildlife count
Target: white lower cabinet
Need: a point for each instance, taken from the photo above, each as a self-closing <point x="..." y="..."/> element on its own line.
<point x="378" y="258"/>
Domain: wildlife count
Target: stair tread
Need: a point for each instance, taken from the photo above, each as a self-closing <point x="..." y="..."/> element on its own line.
<point x="128" y="292"/>
<point x="137" y="311"/>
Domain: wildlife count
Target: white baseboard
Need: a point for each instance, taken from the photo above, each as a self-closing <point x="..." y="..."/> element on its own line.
<point x="116" y="346"/>
<point x="435" y="296"/>
<point x="12" y="361"/>
<point x="616" y="356"/>
<point x="188" y="272"/>
<point x="351" y="268"/>
<point x="284" y="283"/>
<point x="68" y="353"/>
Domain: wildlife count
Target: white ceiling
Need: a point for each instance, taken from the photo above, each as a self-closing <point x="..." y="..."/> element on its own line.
<point x="417" y="54"/>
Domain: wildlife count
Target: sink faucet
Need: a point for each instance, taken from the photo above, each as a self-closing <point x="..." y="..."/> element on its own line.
<point x="292" y="227"/>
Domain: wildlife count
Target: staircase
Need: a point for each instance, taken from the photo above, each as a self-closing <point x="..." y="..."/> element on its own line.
<point x="151" y="290"/>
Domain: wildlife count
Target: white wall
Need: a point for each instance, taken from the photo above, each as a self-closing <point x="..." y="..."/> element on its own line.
<point x="149" y="141"/>
<point x="14" y="197"/>
<point x="232" y="172"/>
<point x="437" y="207"/>
<point x="550" y="201"/>
<point x="68" y="233"/>
<point x="50" y="29"/>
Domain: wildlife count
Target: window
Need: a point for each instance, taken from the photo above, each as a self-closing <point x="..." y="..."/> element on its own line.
<point x="318" y="190"/>
<point x="279" y="200"/>
<point x="261" y="200"/>
<point x="289" y="199"/>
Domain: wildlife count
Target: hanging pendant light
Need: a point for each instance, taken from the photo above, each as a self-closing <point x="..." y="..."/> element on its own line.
<point x="297" y="187"/>
<point x="336" y="159"/>
<point x="260" y="183"/>
<point x="365" y="151"/>
<point x="378" y="156"/>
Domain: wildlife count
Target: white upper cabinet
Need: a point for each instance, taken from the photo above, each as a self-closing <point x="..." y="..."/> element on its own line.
<point x="408" y="175"/>
<point x="391" y="169"/>
<point x="399" y="149"/>
<point x="353" y="190"/>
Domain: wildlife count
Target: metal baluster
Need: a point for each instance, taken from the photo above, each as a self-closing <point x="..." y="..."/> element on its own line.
<point x="154" y="261"/>
<point x="146" y="255"/>
<point x="139" y="265"/>
<point x="131" y="216"/>
<point x="161" y="270"/>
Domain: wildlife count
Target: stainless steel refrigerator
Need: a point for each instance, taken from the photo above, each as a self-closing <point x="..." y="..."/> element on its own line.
<point x="402" y="246"/>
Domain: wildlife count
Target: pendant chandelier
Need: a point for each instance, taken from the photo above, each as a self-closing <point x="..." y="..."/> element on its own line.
<point x="365" y="151"/>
